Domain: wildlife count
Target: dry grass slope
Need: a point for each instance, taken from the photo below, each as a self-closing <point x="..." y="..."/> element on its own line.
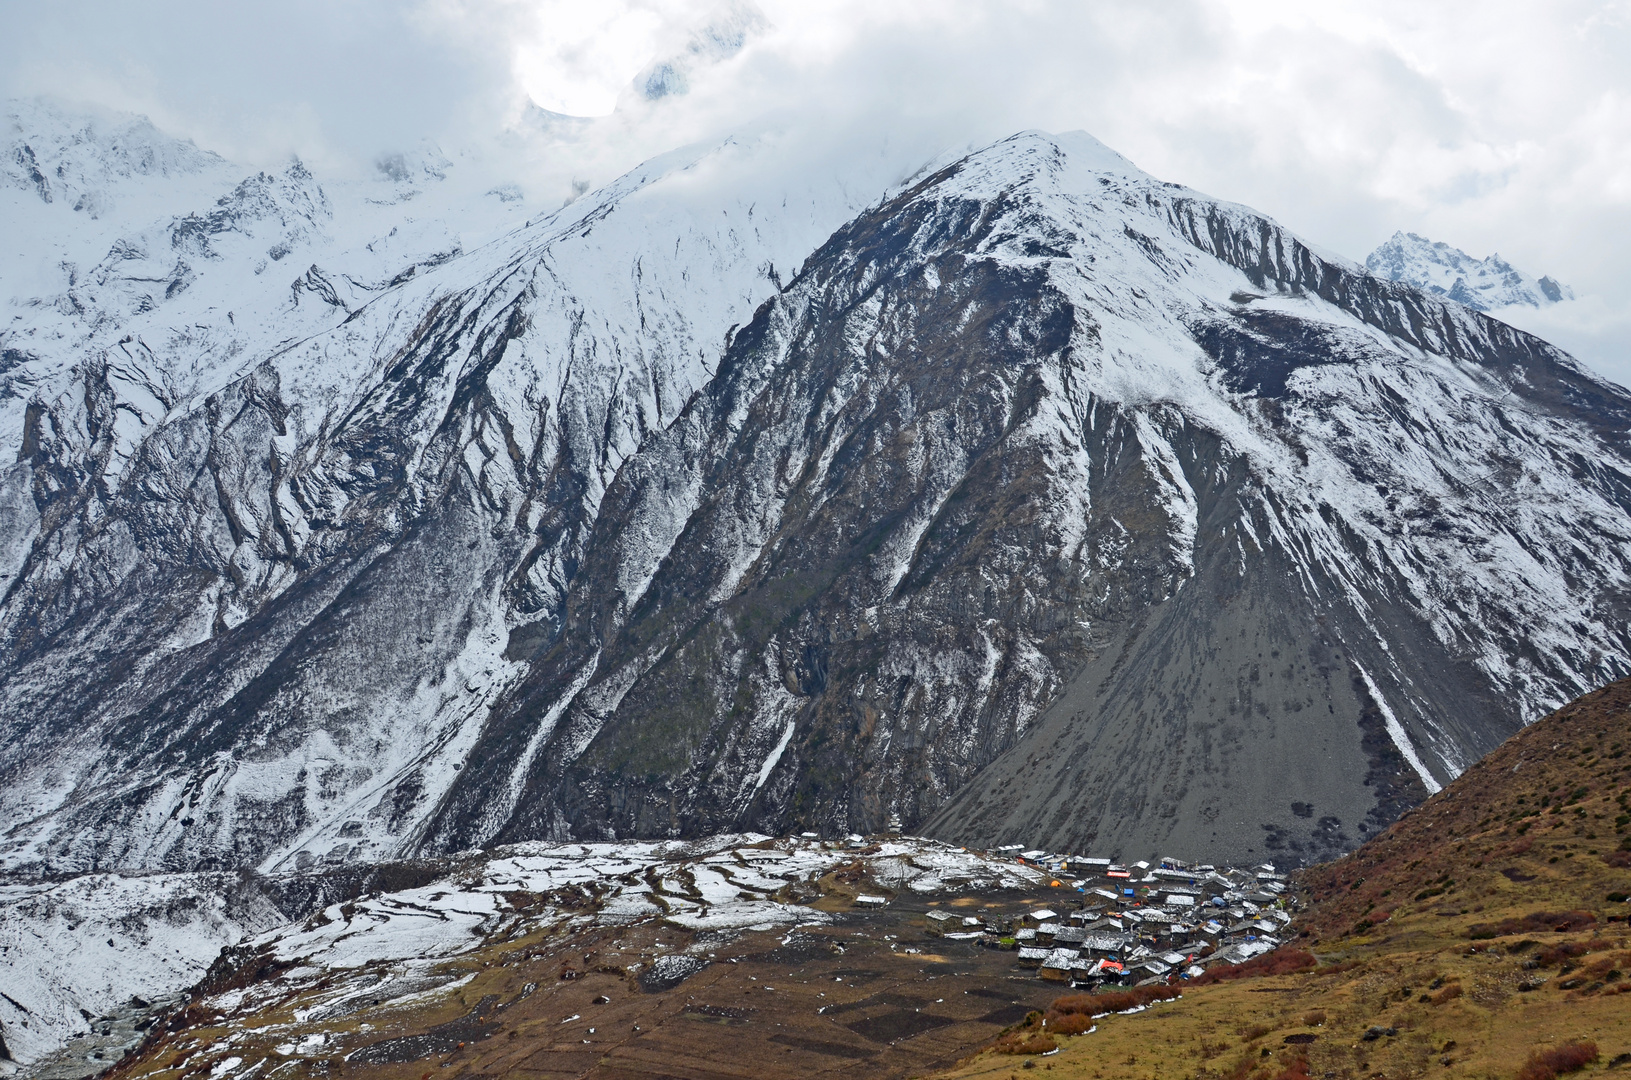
<point x="1483" y="935"/>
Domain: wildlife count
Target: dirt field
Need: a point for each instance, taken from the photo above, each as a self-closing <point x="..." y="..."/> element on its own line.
<point x="872" y="996"/>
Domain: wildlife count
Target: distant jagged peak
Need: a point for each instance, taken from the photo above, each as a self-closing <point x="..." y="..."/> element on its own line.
<point x="1442" y="270"/>
<point x="79" y="156"/>
<point x="291" y="200"/>
<point x="420" y="164"/>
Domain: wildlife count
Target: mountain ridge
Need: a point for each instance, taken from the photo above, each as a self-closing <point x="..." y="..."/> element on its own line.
<point x="556" y="562"/>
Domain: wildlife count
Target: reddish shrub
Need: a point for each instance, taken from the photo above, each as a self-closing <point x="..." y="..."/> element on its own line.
<point x="1547" y="1064"/>
<point x="1559" y="953"/>
<point x="1314" y="1018"/>
<point x="1025" y="1042"/>
<point x="1620" y="860"/>
<point x="1448" y="994"/>
<point x="1116" y="1001"/>
<point x="1070" y="1024"/>
<point x="1561" y="922"/>
<point x="1296" y="1069"/>
<point x="1568" y="950"/>
<point x="1278" y="962"/>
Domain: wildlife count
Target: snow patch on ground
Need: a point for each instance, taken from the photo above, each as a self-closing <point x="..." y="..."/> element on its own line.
<point x="93" y="942"/>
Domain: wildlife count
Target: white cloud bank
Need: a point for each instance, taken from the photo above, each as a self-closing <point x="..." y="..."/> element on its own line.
<point x="1495" y="126"/>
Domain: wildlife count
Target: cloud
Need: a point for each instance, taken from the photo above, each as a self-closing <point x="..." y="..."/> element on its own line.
<point x="336" y="81"/>
<point x="1495" y="126"/>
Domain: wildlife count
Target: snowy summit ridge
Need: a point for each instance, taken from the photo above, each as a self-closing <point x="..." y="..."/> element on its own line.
<point x="1481" y="284"/>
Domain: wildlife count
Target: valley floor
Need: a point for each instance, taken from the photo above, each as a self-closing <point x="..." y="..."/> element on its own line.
<point x="1487" y="926"/>
<point x="888" y="958"/>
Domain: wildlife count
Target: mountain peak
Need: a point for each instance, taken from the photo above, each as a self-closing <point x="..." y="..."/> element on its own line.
<point x="1448" y="272"/>
<point x="78" y="157"/>
<point x="1066" y="161"/>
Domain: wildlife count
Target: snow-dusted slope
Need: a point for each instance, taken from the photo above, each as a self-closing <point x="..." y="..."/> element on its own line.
<point x="1436" y="268"/>
<point x="76" y="950"/>
<point x="677" y="511"/>
<point x="71" y="182"/>
<point x="102" y="952"/>
<point x="212" y="423"/>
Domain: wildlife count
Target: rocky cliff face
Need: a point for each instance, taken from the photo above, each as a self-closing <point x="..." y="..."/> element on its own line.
<point x="1046" y="502"/>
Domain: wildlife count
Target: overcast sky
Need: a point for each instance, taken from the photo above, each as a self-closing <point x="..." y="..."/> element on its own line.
<point x="1495" y="126"/>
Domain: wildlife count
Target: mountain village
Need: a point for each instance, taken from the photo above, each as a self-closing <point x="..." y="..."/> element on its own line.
<point x="1136" y="924"/>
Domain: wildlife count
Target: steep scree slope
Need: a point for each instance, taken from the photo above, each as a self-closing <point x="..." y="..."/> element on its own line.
<point x="1541" y="823"/>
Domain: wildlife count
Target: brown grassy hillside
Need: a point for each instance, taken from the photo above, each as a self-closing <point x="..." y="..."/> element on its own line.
<point x="1543" y="816"/>
<point x="1483" y="935"/>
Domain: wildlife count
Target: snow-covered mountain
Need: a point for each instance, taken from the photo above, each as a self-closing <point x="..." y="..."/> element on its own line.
<point x="618" y="308"/>
<point x="1032" y="497"/>
<point x="716" y="39"/>
<point x="1436" y="268"/>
